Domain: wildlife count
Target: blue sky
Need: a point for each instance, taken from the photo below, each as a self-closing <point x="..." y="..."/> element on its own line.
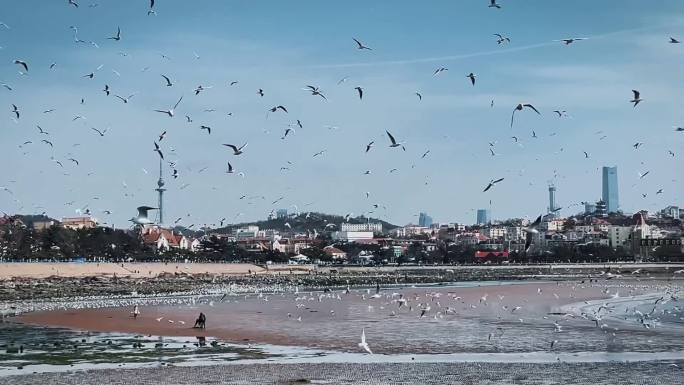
<point x="282" y="47"/>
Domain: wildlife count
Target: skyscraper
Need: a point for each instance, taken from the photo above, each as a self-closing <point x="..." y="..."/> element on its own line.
<point x="610" y="189"/>
<point x="484" y="216"/>
<point x="552" y="199"/>
<point x="424" y="220"/>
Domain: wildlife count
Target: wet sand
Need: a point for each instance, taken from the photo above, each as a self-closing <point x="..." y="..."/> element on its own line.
<point x="472" y="318"/>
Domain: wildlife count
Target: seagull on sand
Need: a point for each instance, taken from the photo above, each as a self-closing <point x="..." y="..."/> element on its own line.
<point x="520" y="107"/>
<point x="171" y="111"/>
<point x="236" y="150"/>
<point x="363" y="344"/>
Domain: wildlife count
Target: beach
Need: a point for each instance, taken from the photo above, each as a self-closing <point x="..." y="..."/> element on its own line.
<point x="131" y="270"/>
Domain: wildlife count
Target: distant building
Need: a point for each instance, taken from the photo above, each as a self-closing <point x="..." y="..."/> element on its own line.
<point x="601" y="208"/>
<point x="373" y="227"/>
<point x="610" y="189"/>
<point x="484" y="217"/>
<point x="424" y="220"/>
<point x="78" y="223"/>
<point x="671" y="211"/>
<point x="352" y="236"/>
<point x="334" y="252"/>
<point x="164" y="239"/>
<point x="281" y="213"/>
<point x="43" y="224"/>
<point x="552" y="200"/>
<point x="589" y="208"/>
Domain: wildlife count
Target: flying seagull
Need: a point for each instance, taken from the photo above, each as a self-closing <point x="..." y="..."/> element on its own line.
<point x="118" y="35"/>
<point x="369" y="146"/>
<point x="363" y="344"/>
<point x="520" y="107"/>
<point x="571" y="40"/>
<point x="492" y="183"/>
<point x="102" y="133"/>
<point x="287" y="131"/>
<point x="501" y="39"/>
<point x="74" y="3"/>
<point x="529" y="231"/>
<point x="168" y="81"/>
<point x="42" y="131"/>
<point x="674" y="41"/>
<point x="360" y="45"/>
<point x="142" y="218"/>
<point x="171" y="111"/>
<point x="206" y="128"/>
<point x="420" y="97"/>
<point x="637" y="98"/>
<point x="360" y="91"/>
<point x="158" y="150"/>
<point x="21" y="63"/>
<point x="276" y="108"/>
<point x="162" y="135"/>
<point x="15" y="110"/>
<point x="236" y="150"/>
<point x="230" y="168"/>
<point x="126" y="99"/>
<point x="394" y="142"/>
<point x="471" y="76"/>
<point x="493" y="4"/>
<point x="106" y="90"/>
<point x="315" y="91"/>
<point x="151" y="11"/>
<point x="439" y="70"/>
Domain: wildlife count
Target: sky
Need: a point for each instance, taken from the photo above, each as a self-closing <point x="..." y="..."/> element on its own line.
<point x="281" y="47"/>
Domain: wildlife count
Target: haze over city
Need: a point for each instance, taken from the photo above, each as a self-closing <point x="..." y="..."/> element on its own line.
<point x="280" y="48"/>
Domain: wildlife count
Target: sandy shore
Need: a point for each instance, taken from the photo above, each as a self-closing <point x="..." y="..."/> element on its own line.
<point x="637" y="373"/>
<point x="132" y="270"/>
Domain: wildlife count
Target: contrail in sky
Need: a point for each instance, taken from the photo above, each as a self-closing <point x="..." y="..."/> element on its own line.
<point x="482" y="53"/>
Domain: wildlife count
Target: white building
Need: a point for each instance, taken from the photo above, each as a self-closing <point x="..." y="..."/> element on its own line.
<point x="352" y="236"/>
<point x="619" y="235"/>
<point x="493" y="232"/>
<point x="372" y="227"/>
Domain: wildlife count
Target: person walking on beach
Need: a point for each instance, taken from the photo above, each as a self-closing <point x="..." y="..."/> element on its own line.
<point x="136" y="311"/>
<point x="201" y="321"/>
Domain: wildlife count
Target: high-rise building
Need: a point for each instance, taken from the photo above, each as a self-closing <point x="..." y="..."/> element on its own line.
<point x="552" y="199"/>
<point x="424" y="220"/>
<point x="610" y="189"/>
<point x="484" y="216"/>
<point x="281" y="213"/>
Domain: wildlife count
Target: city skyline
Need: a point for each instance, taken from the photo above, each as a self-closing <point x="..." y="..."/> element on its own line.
<point x="446" y="131"/>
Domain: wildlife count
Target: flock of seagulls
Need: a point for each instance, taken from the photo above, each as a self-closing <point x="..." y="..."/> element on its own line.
<point x="117" y="37"/>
